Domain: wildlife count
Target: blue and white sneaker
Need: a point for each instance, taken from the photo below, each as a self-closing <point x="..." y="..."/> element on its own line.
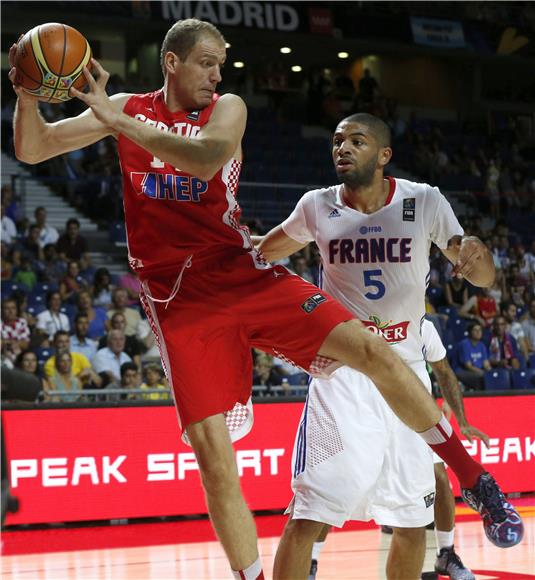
<point x="502" y="524"/>
<point x="449" y="564"/>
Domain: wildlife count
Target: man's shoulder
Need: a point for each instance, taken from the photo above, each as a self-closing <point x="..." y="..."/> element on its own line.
<point x="420" y="188"/>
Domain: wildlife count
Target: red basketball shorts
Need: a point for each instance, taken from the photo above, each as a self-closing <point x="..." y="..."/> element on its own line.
<point x="205" y="333"/>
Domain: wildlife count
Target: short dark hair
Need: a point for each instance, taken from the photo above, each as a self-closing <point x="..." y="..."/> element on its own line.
<point x="379" y="129"/>
<point x="128" y="366"/>
<point x="39" y="208"/>
<point x="78" y="316"/>
<point x="59" y="333"/>
<point x="49" y="295"/>
<point x="473" y="325"/>
<point x="184" y="35"/>
<point x="72" y="221"/>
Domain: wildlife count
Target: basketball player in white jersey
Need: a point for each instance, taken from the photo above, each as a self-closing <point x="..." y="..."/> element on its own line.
<point x="448" y="562"/>
<point x="352" y="458"/>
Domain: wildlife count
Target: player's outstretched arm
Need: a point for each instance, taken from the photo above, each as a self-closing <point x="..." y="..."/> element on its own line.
<point x="471" y="260"/>
<point x="450" y="389"/>
<point x="36" y="140"/>
<point x="276" y="245"/>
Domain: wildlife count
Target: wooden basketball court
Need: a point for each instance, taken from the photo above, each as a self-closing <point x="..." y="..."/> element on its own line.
<point x="357" y="554"/>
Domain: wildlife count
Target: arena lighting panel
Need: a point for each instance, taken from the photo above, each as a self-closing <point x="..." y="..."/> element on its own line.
<point x="286" y="50"/>
<point x="296" y="68"/>
<point x="238" y="64"/>
<point x="227" y="45"/>
<point x="343" y="54"/>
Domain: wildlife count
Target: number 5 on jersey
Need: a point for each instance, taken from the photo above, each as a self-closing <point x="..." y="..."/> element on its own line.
<point x="370" y="280"/>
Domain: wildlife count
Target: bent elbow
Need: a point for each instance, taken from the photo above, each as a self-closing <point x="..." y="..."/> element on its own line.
<point x="26" y="157"/>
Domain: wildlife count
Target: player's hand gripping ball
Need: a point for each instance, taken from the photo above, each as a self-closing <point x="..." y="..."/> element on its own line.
<point x="49" y="60"/>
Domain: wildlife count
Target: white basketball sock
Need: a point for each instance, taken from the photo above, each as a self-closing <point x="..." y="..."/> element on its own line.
<point x="253" y="572"/>
<point x="316" y="550"/>
<point x="444" y="539"/>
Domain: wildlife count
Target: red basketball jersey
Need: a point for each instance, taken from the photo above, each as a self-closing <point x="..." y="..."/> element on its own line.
<point x="169" y="213"/>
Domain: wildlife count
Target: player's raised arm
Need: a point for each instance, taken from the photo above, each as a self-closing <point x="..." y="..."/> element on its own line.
<point x="36" y="140"/>
<point x="276" y="244"/>
<point x="471" y="260"/>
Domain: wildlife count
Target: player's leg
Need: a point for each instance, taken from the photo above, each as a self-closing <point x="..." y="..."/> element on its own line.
<point x="448" y="562"/>
<point x="406" y="554"/>
<point x="228" y="511"/>
<point x="317" y="548"/>
<point x="292" y="561"/>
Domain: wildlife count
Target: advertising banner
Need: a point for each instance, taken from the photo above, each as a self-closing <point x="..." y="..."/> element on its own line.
<point x="129" y="462"/>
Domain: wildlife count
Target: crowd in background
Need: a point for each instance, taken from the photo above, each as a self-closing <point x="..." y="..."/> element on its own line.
<point x="78" y="327"/>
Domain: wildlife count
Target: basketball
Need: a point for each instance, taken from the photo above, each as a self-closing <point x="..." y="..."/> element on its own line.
<point x="50" y="59"/>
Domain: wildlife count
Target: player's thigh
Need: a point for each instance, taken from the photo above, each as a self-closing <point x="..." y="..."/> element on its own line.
<point x="339" y="448"/>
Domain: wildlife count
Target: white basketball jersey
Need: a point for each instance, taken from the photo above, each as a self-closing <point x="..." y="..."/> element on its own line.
<point x="377" y="265"/>
<point x="434" y="349"/>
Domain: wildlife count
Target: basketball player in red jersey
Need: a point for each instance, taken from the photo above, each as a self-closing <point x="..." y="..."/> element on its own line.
<point x="208" y="294"/>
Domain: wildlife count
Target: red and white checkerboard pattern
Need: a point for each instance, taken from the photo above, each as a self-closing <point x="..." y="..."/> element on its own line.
<point x="234" y="176"/>
<point x="323" y="366"/>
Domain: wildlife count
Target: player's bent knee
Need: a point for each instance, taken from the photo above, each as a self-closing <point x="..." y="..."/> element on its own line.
<point x="304" y="529"/>
<point x="411" y="535"/>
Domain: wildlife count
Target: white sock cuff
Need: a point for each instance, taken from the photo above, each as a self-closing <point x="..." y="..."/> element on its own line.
<point x="444" y="539"/>
<point x="438" y="434"/>
<point x="250" y="573"/>
<point x="316" y="550"/>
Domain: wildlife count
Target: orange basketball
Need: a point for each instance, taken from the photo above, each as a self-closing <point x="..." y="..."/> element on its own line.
<point x="50" y="59"/>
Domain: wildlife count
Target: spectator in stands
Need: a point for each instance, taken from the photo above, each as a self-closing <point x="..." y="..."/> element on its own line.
<point x="368" y="88"/>
<point x="299" y="266"/>
<point x="154" y="376"/>
<point x="130" y="282"/>
<point x="27" y="362"/>
<point x="473" y="358"/>
<point x="51" y="320"/>
<point x="503" y="350"/>
<point x="499" y="289"/>
<point x="47" y="234"/>
<point x="61" y="343"/>
<point x="71" y="245"/>
<point x="265" y="374"/>
<point x="456" y="292"/>
<point x="133" y="346"/>
<point x="51" y="269"/>
<point x="9" y="229"/>
<point x="119" y="304"/>
<point x="79" y="341"/>
<point x="7" y="260"/>
<point x="492" y="179"/>
<point x="107" y="362"/>
<point x="30" y="247"/>
<point x="26" y="274"/>
<point x="15" y="330"/>
<point x="63" y="380"/>
<point x="102" y="288"/>
<point x="97" y="316"/>
<point x="129" y="380"/>
<point x="481" y="306"/>
<point x="72" y="283"/>
<point x="528" y="324"/>
<point x="517" y="284"/>
<point x="13" y="209"/>
<point x="514" y="328"/>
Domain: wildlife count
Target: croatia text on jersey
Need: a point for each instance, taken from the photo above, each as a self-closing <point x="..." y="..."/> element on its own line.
<point x="369" y="251"/>
<point x="168" y="186"/>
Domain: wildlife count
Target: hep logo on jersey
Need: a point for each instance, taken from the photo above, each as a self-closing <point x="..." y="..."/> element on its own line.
<point x="392" y="333"/>
<point x="168" y="186"/>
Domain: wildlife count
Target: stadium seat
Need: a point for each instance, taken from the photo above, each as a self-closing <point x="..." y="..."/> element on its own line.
<point x="435" y="294"/>
<point x="44" y="287"/>
<point x="36" y="300"/>
<point x="522" y="360"/>
<point x="448" y="310"/>
<point x="43" y="354"/>
<point x="531" y="361"/>
<point x="522" y="379"/>
<point x="459" y="328"/>
<point x="8" y="287"/>
<point x="70" y="310"/>
<point x="497" y="380"/>
<point x="36" y="310"/>
<point x="298" y="379"/>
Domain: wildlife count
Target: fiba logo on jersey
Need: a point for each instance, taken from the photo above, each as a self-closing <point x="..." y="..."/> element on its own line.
<point x="370" y="230"/>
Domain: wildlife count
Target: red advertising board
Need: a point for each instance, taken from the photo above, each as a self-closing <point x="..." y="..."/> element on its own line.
<point x="112" y="463"/>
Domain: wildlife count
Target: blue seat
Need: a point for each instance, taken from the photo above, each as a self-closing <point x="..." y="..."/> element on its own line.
<point x="531" y="361"/>
<point x="435" y="294"/>
<point x="497" y="380"/>
<point x="452" y="353"/>
<point x="43" y="354"/>
<point x="523" y="379"/>
<point x="459" y="328"/>
<point x="44" y="287"/>
<point x="448" y="310"/>
<point x="298" y="379"/>
<point x="36" y="310"/>
<point x="8" y="287"/>
<point x="36" y="300"/>
<point x="522" y="360"/>
<point x="70" y="310"/>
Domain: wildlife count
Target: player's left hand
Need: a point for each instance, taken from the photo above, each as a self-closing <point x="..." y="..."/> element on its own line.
<point x="470" y="251"/>
<point x="96" y="97"/>
<point x="470" y="432"/>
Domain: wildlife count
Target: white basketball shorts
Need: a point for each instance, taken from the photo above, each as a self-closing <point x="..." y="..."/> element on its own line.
<point x="354" y="459"/>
